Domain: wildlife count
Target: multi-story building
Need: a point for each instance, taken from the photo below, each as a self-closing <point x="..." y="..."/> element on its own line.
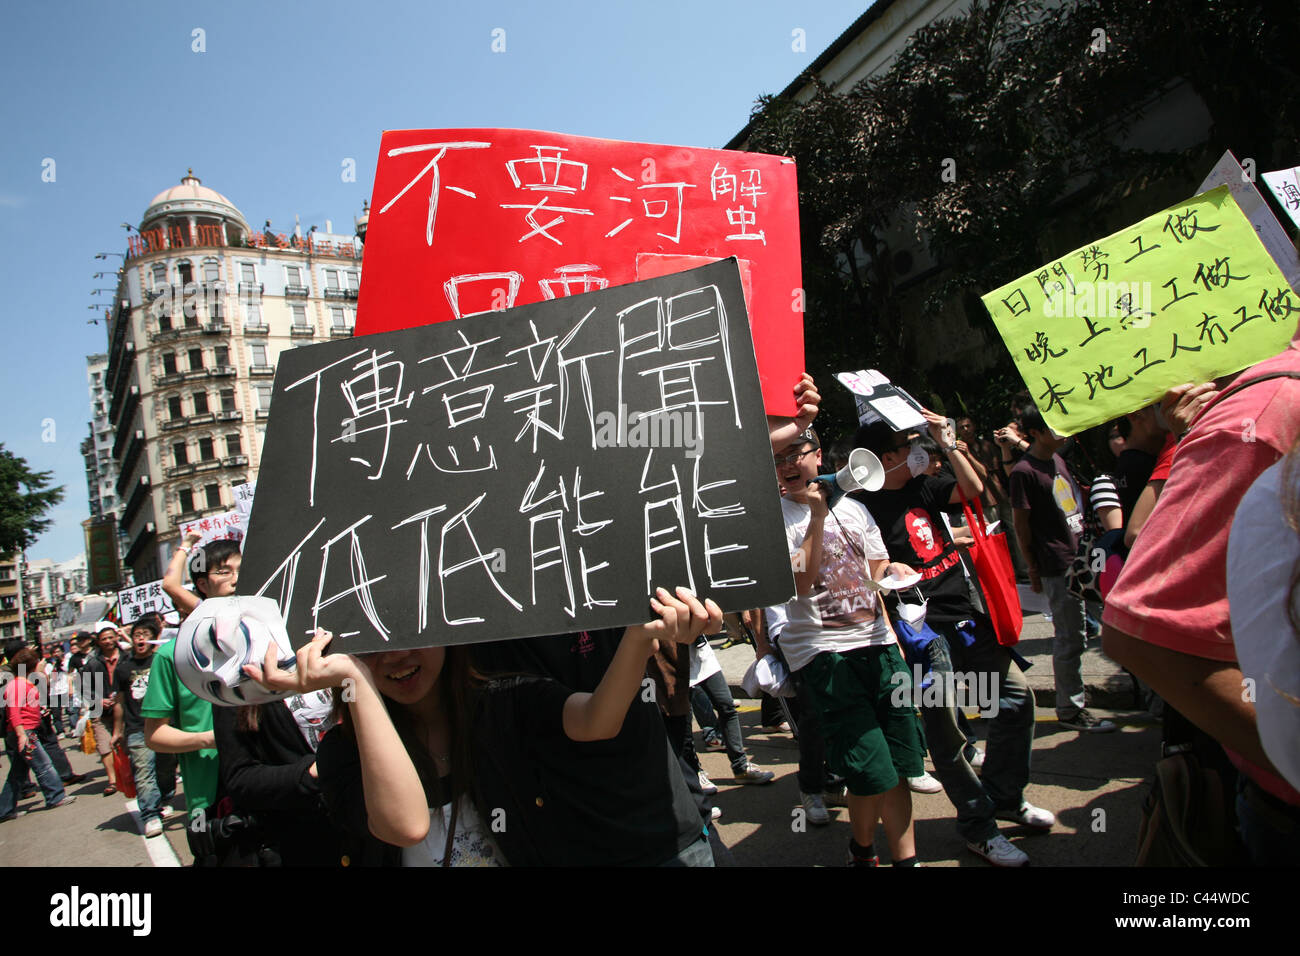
<point x="11" y="598"/>
<point x="204" y="307"/>
<point x="97" y="449"/>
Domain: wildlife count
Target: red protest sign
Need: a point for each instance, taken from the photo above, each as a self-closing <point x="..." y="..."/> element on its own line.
<point x="467" y="221"/>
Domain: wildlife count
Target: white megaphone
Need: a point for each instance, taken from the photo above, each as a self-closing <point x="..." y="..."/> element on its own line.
<point x="864" y="472"/>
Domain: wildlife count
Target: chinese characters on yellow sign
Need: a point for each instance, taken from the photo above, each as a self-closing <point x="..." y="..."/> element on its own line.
<point x="1186" y="295"/>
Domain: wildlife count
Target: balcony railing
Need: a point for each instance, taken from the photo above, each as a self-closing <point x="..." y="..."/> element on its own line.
<point x="235" y="461"/>
<point x="218" y="327"/>
<point x="256" y="328"/>
<point x="298" y="291"/>
<point x="171" y="424"/>
<point x="223" y="371"/>
<point x="174" y="378"/>
<point x="252" y="290"/>
<point x="230" y="415"/>
<point x="336" y="293"/>
<point x="301" y="330"/>
<point x="203" y="418"/>
<point x="340" y="332"/>
<point x="177" y="471"/>
<point x="207" y="464"/>
<point x="262" y="413"/>
<point x="260" y="370"/>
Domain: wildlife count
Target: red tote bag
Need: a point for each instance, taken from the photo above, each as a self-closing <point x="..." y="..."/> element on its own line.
<point x="125" y="773"/>
<point x="991" y="557"/>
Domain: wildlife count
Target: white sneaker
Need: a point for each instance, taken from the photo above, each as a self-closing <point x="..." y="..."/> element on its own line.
<point x="706" y="785"/>
<point x="814" y="809"/>
<point x="716" y="813"/>
<point x="153" y="827"/>
<point x="1029" y="816"/>
<point x="977" y="761"/>
<point x="1000" y="852"/>
<point x="924" y="784"/>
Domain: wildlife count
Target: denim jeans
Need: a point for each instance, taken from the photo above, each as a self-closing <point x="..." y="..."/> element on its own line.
<point x="1010" y="734"/>
<point x="50" y="742"/>
<point x="1270" y="833"/>
<point x="1067" y="646"/>
<point x="40" y="765"/>
<point x="146" y="783"/>
<point x="713" y="694"/>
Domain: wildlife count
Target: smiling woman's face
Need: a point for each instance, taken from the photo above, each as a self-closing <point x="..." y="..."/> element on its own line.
<point x="407" y="676"/>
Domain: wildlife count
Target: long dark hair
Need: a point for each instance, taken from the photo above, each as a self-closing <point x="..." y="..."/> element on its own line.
<point x="458" y="687"/>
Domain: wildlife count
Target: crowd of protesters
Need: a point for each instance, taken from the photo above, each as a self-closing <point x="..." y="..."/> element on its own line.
<point x="546" y="751"/>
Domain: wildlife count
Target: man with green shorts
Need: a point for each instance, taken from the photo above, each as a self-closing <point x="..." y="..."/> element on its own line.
<point x="840" y="647"/>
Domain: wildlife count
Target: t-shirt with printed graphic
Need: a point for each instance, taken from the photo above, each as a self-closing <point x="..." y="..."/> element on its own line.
<point x="842" y="612"/>
<point x="911" y="522"/>
<point x="1048" y="491"/>
<point x="130" y="682"/>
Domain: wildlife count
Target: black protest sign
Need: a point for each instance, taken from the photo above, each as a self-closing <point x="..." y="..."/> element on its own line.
<point x="536" y="471"/>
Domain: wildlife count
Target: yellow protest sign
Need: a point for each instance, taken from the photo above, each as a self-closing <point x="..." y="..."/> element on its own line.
<point x="1186" y="295"/>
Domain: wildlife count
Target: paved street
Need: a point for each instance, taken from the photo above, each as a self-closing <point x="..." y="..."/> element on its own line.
<point x="1094" y="784"/>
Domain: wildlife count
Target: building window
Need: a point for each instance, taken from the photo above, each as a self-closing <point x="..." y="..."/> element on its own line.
<point x="211" y="270"/>
<point x="254" y="312"/>
<point x="185" y="498"/>
<point x="213" y="494"/>
<point x="205" y="449"/>
<point x="227" y="399"/>
<point x="258" y="352"/>
<point x="299" y="316"/>
<point x="293" y="275"/>
<point x="164" y="322"/>
<point x="247" y="273"/>
<point x="234" y="446"/>
<point x="196" y="359"/>
<point x="181" y="453"/>
<point x="159" y="274"/>
<point x="221" y="355"/>
<point x="337" y="319"/>
<point x="331" y="278"/>
<point x="169" y="363"/>
<point x="354" y="281"/>
<point x="264" y="397"/>
<point x="174" y="409"/>
<point x="215" y="314"/>
<point x="200" y="403"/>
<point x="186" y="272"/>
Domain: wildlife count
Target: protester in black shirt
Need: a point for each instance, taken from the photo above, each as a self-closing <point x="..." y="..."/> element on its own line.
<point x="130" y="681"/>
<point x="268" y="769"/>
<point x="909" y="511"/>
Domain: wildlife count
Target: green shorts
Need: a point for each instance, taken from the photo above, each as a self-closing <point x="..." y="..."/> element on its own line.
<point x="872" y="730"/>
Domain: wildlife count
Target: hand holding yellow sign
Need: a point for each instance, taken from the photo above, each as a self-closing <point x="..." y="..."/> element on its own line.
<point x="1186" y="295"/>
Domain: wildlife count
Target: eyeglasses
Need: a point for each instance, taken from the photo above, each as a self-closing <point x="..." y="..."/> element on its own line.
<point x="222" y="572"/>
<point x="780" y="460"/>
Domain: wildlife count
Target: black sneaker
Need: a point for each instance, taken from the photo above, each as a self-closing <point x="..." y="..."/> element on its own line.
<point x="1085" y="723"/>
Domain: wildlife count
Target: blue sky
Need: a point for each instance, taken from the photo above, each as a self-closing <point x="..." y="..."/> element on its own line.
<point x="266" y="114"/>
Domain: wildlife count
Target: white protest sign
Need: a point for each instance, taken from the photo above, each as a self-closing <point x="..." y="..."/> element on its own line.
<point x="1285" y="184"/>
<point x="230" y="524"/>
<point x="134" y="603"/>
<point x="244" y="496"/>
<point x="878" y="398"/>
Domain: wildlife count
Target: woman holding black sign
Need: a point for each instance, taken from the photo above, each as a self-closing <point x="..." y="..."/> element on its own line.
<point x="434" y="765"/>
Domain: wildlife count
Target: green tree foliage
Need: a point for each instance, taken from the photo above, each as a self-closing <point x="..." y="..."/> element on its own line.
<point x="1025" y="106"/>
<point x="24" y="500"/>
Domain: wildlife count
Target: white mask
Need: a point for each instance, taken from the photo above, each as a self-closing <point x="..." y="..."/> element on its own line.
<point x="918" y="460"/>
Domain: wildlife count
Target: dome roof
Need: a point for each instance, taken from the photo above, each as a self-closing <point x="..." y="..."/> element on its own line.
<point x="191" y="196"/>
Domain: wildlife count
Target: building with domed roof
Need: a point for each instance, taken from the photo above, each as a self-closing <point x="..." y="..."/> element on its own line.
<point x="205" y="304"/>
